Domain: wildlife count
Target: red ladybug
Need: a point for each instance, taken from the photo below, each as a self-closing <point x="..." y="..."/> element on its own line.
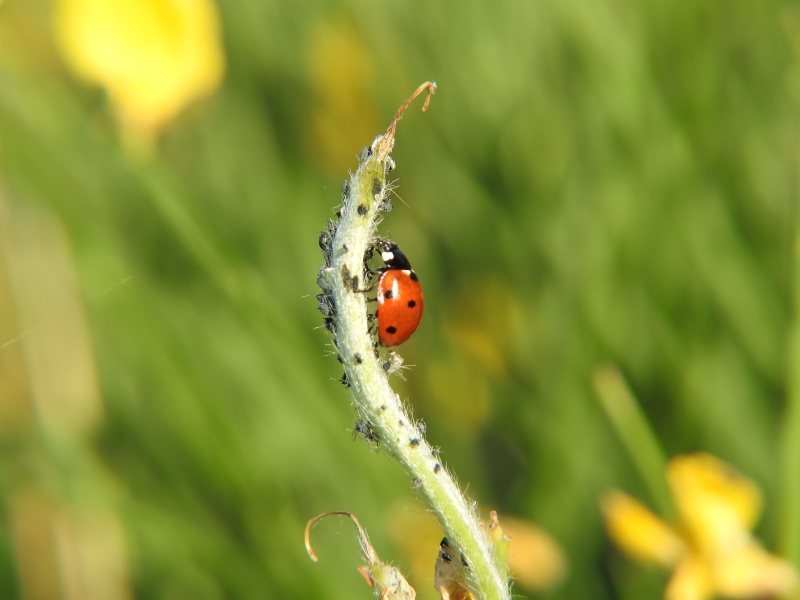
<point x="400" y="301"/>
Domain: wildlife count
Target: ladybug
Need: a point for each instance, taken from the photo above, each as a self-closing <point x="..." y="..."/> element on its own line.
<point x="400" y="301"/>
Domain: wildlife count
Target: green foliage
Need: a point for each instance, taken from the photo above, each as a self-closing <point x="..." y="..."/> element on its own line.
<point x="607" y="181"/>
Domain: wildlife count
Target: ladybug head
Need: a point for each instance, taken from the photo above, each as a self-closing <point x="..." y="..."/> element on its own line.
<point x="393" y="256"/>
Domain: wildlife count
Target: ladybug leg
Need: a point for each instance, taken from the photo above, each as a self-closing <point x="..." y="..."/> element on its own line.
<point x="353" y="284"/>
<point x="365" y="290"/>
<point x="371" y="279"/>
<point x="373" y="275"/>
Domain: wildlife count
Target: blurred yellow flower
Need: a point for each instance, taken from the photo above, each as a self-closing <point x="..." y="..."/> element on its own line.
<point x="153" y="57"/>
<point x="341" y="71"/>
<point x="536" y="561"/>
<point x="710" y="551"/>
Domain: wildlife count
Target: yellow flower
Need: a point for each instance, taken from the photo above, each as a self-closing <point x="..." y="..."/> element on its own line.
<point x="342" y="74"/>
<point x="153" y="57"/>
<point x="710" y="550"/>
<point x="536" y="560"/>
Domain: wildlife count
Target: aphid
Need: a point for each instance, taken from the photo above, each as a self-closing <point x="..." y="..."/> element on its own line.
<point x="400" y="301"/>
<point x="325" y="241"/>
<point x="444" y="550"/>
<point x="394" y="364"/>
<point x="325" y="304"/>
<point x="365" y="428"/>
<point x="330" y="324"/>
<point x="322" y="278"/>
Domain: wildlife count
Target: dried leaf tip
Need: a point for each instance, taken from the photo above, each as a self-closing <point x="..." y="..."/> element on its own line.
<point x="385" y="143"/>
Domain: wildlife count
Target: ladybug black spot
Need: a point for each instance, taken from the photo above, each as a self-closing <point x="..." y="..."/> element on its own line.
<point x="413" y="276"/>
<point x="388" y="295"/>
<point x="391" y="329"/>
<point x="411" y="304"/>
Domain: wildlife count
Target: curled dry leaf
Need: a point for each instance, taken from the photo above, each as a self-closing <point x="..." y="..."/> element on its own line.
<point x="387" y="580"/>
<point x="451" y="573"/>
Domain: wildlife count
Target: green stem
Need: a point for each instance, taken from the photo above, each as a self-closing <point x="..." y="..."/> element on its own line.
<point x="790" y="434"/>
<point x="342" y="279"/>
<point x="633" y="429"/>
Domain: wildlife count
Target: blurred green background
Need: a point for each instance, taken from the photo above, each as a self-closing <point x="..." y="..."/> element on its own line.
<point x="606" y="181"/>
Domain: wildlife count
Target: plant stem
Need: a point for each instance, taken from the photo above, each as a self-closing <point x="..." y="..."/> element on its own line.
<point x="342" y="278"/>
<point x="790" y="434"/>
<point x="634" y="431"/>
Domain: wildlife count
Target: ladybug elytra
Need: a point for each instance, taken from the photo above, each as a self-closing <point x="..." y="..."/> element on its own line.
<point x="400" y="302"/>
